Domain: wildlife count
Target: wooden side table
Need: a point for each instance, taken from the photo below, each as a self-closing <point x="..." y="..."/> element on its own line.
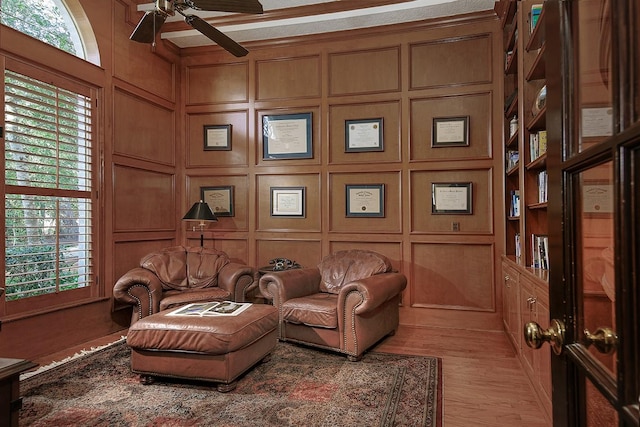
<point x="10" y="400"/>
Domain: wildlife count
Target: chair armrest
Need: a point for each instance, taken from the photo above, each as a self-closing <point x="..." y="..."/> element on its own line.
<point x="374" y="290"/>
<point x="140" y="288"/>
<point x="287" y="284"/>
<point x="238" y="279"/>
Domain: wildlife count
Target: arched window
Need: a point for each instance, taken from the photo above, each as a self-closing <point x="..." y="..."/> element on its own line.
<point x="55" y="22"/>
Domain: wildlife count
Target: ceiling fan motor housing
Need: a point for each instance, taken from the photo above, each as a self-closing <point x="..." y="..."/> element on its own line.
<point x="165" y="6"/>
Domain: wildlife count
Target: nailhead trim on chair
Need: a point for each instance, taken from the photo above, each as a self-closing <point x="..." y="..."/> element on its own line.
<point x="353" y="329"/>
<point x="138" y="299"/>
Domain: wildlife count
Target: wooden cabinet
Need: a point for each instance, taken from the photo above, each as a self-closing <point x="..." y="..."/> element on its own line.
<point x="525" y="264"/>
<point x="510" y="304"/>
<point x="526" y="299"/>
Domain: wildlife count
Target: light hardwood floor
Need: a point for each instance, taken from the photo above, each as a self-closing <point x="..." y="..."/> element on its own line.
<point x="483" y="381"/>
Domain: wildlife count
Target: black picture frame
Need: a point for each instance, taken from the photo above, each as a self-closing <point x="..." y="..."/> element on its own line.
<point x="452" y="198"/>
<point x="363" y="135"/>
<point x="287" y="202"/>
<point x="450" y="132"/>
<point x="365" y="200"/>
<point x="287" y="136"/>
<point x="219" y="199"/>
<point x="217" y="137"/>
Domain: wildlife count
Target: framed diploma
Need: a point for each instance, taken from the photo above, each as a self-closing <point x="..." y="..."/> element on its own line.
<point x="287" y="136"/>
<point x="365" y="200"/>
<point x="450" y="132"/>
<point x="217" y="137"/>
<point x="363" y="135"/>
<point x="219" y="199"/>
<point x="287" y="202"/>
<point x="451" y="198"/>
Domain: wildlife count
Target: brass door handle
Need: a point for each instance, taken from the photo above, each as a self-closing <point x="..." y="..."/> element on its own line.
<point x="604" y="340"/>
<point x="535" y="336"/>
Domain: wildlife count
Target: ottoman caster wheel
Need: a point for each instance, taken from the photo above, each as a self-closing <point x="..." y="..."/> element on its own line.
<point x="146" y="379"/>
<point x="225" y="388"/>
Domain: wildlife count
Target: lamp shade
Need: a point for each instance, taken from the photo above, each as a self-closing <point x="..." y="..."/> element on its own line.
<point x="200" y="211"/>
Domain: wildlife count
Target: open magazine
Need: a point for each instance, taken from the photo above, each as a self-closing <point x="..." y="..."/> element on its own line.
<point x="215" y="308"/>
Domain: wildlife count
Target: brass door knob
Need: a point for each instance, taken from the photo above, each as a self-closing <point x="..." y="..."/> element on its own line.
<point x="604" y="340"/>
<point x="535" y="336"/>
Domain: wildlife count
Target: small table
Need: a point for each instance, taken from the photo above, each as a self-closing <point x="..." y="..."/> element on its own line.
<point x="10" y="400"/>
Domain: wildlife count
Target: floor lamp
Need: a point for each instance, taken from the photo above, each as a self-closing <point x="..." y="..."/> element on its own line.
<point x="201" y="212"/>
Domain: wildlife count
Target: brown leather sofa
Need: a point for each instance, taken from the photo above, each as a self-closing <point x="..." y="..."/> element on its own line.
<point x="347" y="304"/>
<point x="180" y="275"/>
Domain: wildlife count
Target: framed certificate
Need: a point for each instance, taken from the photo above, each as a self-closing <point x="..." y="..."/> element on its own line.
<point x="363" y="135"/>
<point x="365" y="200"/>
<point x="450" y="132"/>
<point x="219" y="199"/>
<point x="287" y="136"/>
<point x="451" y="198"/>
<point x="217" y="137"/>
<point x="287" y="202"/>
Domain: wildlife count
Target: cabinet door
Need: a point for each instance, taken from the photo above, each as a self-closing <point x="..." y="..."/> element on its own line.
<point x="527" y="314"/>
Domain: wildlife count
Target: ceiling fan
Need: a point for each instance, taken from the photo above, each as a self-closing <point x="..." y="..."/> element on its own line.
<point x="149" y="25"/>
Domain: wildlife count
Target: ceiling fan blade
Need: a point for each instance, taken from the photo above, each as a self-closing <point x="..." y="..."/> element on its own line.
<point x="237" y="6"/>
<point x="217" y="36"/>
<point x="148" y="27"/>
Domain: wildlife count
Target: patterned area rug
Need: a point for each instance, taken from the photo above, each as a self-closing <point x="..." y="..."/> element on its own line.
<point x="297" y="387"/>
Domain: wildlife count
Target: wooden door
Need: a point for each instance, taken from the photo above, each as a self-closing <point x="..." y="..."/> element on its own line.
<point x="593" y="106"/>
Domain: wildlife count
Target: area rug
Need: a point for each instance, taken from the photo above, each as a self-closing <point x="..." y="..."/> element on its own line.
<point x="298" y="386"/>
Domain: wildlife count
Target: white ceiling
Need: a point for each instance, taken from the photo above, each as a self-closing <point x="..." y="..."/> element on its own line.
<point x="292" y="18"/>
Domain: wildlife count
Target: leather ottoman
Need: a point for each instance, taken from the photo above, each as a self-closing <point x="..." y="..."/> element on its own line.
<point x="207" y="348"/>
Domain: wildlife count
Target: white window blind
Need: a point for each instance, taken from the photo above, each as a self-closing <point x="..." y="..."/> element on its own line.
<point x="48" y="178"/>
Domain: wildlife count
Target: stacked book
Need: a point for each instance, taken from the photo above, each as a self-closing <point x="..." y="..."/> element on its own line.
<point x="539" y="251"/>
<point x="537" y="144"/>
<point x="512" y="159"/>
<point x="514" y="204"/>
<point x="542" y="186"/>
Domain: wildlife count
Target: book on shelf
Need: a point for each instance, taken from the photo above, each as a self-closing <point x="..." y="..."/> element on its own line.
<point x="542" y="186"/>
<point x="536" y="9"/>
<point x="518" y="250"/>
<point x="513" y="156"/>
<point x="540" y="251"/>
<point x="537" y="144"/>
<point x="214" y="308"/>
<point x="514" y="205"/>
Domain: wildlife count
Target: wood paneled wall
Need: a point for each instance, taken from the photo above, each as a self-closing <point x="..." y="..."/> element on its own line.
<point x="407" y="77"/>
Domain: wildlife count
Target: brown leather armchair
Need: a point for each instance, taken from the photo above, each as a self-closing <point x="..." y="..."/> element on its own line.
<point x="347" y="304"/>
<point x="180" y="275"/>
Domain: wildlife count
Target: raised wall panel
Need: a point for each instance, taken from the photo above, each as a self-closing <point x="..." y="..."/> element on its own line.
<point x="392" y="220"/>
<point x="389" y="112"/>
<point x="453" y="276"/>
<point x="197" y="156"/>
<point x="237" y="249"/>
<point x="240" y="187"/>
<point x="147" y="134"/>
<point x="451" y="62"/>
<point x="288" y="78"/>
<point x="477" y="106"/>
<point x="307" y="253"/>
<point x="217" y="83"/>
<point x="312" y="207"/>
<point x="149" y="204"/>
<point x="366" y="71"/>
<point x="480" y="221"/>
<point x="133" y="63"/>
